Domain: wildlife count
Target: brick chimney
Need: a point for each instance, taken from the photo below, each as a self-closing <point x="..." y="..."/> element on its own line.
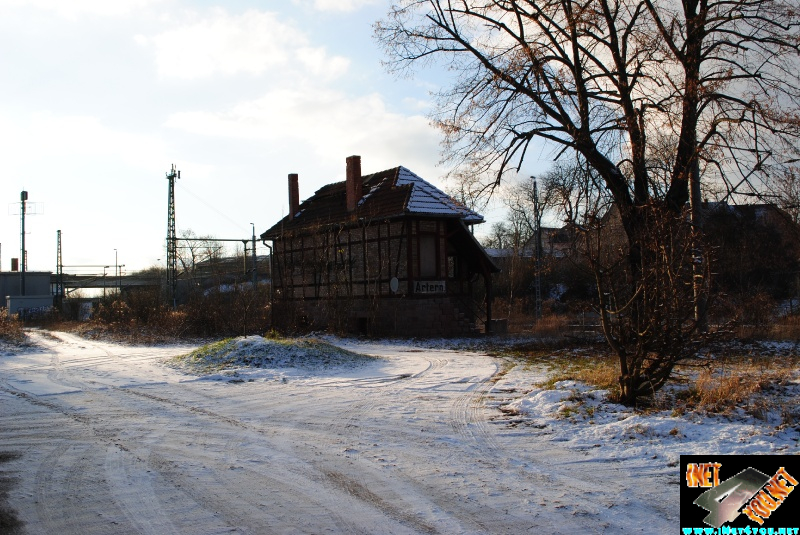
<point x="294" y="195"/>
<point x="354" y="184"/>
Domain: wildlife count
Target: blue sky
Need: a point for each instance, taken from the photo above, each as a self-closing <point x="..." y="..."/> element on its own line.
<point x="99" y="98"/>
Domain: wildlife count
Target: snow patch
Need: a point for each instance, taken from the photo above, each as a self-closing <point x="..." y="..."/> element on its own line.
<point x="582" y="418"/>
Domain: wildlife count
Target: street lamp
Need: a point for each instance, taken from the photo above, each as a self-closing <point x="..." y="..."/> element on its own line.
<point x="104" y="280"/>
<point x="160" y="288"/>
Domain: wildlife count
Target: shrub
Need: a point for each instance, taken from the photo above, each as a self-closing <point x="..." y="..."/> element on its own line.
<point x="738" y="386"/>
<point x="10" y="328"/>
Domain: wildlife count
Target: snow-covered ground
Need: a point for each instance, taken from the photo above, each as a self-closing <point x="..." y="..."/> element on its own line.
<point x="406" y="438"/>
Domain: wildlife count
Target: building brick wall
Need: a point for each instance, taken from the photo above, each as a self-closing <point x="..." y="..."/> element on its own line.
<point x="340" y="279"/>
<point x="407" y="316"/>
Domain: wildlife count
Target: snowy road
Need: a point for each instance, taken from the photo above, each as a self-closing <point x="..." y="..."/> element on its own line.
<point x="110" y="441"/>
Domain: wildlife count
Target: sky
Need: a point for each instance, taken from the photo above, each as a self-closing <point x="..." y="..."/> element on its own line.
<point x="99" y="99"/>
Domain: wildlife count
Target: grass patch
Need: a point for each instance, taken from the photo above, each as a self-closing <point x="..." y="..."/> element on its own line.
<point x="599" y="371"/>
<point x="567" y="361"/>
<point x="751" y="382"/>
<point x="753" y="377"/>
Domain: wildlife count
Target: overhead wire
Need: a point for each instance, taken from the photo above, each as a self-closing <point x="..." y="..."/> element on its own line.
<point x="209" y="205"/>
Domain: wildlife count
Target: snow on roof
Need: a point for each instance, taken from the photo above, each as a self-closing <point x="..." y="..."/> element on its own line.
<point x="428" y="199"/>
<point x="394" y="192"/>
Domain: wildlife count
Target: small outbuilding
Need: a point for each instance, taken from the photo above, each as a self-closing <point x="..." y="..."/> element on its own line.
<point x="35" y="300"/>
<point x="385" y="253"/>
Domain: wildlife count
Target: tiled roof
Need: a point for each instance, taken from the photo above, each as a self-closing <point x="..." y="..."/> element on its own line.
<point x="427" y="199"/>
<point x="388" y="194"/>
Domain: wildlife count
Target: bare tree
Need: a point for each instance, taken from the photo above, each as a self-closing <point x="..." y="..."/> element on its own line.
<point x="511" y="239"/>
<point x="713" y="82"/>
<point x="195" y="250"/>
<point x="788" y="187"/>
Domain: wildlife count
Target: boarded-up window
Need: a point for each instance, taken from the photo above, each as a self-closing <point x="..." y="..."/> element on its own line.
<point x="427" y="256"/>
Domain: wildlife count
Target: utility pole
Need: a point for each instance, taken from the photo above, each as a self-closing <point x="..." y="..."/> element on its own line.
<point x="23" y="198"/>
<point x="172" y="239"/>
<point x="59" y="272"/>
<point x="244" y="256"/>
<point x="537" y="218"/>
<point x="255" y="273"/>
<point x="104" y="281"/>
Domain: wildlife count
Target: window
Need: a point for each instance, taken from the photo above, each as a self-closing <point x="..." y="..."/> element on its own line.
<point x="427" y="255"/>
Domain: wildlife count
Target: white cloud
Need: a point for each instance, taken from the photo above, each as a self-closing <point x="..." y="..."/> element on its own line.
<point x="337" y="5"/>
<point x="250" y="43"/>
<point x="323" y="122"/>
<point x="317" y="61"/>
<point x="73" y="9"/>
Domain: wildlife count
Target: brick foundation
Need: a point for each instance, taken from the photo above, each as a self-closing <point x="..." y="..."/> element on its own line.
<point x="424" y="317"/>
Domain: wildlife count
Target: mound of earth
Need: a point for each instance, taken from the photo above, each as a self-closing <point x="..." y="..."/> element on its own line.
<point x="256" y="352"/>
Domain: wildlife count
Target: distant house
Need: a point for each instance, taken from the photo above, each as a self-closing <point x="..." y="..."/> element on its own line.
<point x="756" y="248"/>
<point x="556" y="243"/>
<point x="753" y="248"/>
<point x="385" y="253"/>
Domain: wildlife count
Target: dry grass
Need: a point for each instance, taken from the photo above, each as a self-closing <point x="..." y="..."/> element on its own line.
<point x="10" y="328"/>
<point x="720" y="393"/>
<point x="751" y="383"/>
<point x="568" y="361"/>
<point x="599" y="371"/>
<point x="786" y="328"/>
<point x="551" y="326"/>
<point x="740" y="377"/>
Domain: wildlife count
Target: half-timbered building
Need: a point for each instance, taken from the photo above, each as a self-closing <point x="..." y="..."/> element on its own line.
<point x="384" y="253"/>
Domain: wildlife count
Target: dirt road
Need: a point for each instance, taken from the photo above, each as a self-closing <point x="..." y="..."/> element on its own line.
<point x="101" y="438"/>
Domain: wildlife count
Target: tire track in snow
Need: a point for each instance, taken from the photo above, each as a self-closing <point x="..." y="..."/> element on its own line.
<point x="64" y="483"/>
<point x="391" y="491"/>
<point x="78" y="471"/>
<point x="433" y="387"/>
<point x="583" y="489"/>
<point x="346" y="427"/>
<point x="133" y="492"/>
<point x="229" y="477"/>
<point x="467" y="415"/>
<point x="65" y="470"/>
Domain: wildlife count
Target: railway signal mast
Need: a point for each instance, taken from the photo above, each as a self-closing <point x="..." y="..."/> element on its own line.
<point x="25" y="209"/>
<point x="23" y="199"/>
<point x="172" y="239"/>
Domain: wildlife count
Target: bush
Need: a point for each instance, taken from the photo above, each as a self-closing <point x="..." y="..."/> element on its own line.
<point x="139" y="316"/>
<point x="10" y="328"/>
<point x="240" y="310"/>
